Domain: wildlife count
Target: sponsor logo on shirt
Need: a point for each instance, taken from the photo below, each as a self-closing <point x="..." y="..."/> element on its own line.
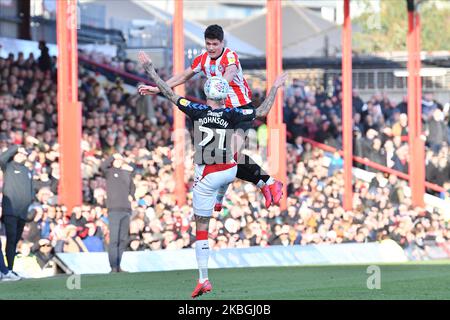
<point x="247" y="111"/>
<point x="184" y="102"/>
<point x="214" y="114"/>
<point x="231" y="58"/>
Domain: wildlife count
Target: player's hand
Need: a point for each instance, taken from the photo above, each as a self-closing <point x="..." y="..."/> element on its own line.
<point x="144" y="58"/>
<point x="280" y="80"/>
<point x="147" y="90"/>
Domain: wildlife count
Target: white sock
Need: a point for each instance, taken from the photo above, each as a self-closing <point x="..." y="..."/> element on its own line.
<point x="202" y="254"/>
<point x="260" y="184"/>
<point x="270" y="181"/>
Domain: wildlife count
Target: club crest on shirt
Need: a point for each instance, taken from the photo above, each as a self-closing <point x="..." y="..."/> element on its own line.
<point x="220" y="68"/>
<point x="184" y="102"/>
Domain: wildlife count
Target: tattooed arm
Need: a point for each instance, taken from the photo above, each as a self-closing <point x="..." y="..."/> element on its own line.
<point x="165" y="89"/>
<point x="265" y="107"/>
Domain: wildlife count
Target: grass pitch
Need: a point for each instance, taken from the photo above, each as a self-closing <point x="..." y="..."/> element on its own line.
<point x="424" y="280"/>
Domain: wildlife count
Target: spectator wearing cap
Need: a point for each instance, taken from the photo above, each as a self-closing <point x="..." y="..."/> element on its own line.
<point x="120" y="190"/>
<point x="18" y="194"/>
<point x="44" y="255"/>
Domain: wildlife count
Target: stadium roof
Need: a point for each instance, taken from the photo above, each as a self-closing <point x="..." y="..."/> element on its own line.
<point x="138" y="9"/>
<point x="305" y="32"/>
<point x="195" y="31"/>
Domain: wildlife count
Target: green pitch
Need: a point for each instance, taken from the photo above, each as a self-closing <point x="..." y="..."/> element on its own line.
<point x="425" y="280"/>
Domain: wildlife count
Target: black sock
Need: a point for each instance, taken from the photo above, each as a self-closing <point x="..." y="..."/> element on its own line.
<point x="250" y="171"/>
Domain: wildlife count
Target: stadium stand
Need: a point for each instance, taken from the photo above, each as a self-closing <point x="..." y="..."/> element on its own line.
<point x="140" y="127"/>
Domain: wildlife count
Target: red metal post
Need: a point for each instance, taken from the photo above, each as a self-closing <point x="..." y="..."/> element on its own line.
<point x="419" y="145"/>
<point x="411" y="92"/>
<point x="347" y="122"/>
<point x="416" y="144"/>
<point x="276" y="146"/>
<point x="179" y="119"/>
<point x="69" y="109"/>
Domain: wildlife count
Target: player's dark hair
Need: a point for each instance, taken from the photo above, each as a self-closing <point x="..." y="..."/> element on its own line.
<point x="213" y="32"/>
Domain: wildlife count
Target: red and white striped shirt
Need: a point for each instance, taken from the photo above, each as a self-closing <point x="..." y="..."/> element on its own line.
<point x="240" y="93"/>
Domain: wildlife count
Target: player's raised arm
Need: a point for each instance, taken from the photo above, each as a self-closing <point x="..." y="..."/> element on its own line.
<point x="176" y="80"/>
<point x="164" y="88"/>
<point x="264" y="108"/>
<point x="230" y="72"/>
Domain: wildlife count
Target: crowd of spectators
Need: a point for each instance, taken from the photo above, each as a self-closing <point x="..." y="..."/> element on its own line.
<point x="380" y="127"/>
<point x="140" y="128"/>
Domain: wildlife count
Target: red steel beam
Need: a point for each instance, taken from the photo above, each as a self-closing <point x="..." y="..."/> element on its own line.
<point x="419" y="145"/>
<point x="276" y="146"/>
<point x="179" y="119"/>
<point x="347" y="122"/>
<point x="416" y="144"/>
<point x="69" y="109"/>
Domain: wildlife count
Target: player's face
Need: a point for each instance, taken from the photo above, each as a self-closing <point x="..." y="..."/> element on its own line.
<point x="214" y="47"/>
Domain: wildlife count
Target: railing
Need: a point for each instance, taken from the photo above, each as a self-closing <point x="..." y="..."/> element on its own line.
<point x="372" y="164"/>
<point x="434" y="79"/>
<point x="134" y="80"/>
<point x="366" y="81"/>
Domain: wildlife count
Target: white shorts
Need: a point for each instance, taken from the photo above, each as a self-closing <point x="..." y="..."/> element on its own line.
<point x="207" y="182"/>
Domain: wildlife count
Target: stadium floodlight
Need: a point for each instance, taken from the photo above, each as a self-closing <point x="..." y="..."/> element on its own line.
<point x="424" y="72"/>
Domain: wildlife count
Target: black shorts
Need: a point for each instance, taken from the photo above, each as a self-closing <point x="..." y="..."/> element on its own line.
<point x="245" y="125"/>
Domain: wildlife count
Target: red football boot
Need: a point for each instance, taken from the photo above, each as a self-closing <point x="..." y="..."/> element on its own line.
<point x="201" y="288"/>
<point x="267" y="195"/>
<point x="276" y="190"/>
<point x="218" y="207"/>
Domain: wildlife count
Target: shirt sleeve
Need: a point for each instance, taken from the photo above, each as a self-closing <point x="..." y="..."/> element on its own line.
<point x="191" y="109"/>
<point x="196" y="65"/>
<point x="230" y="59"/>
